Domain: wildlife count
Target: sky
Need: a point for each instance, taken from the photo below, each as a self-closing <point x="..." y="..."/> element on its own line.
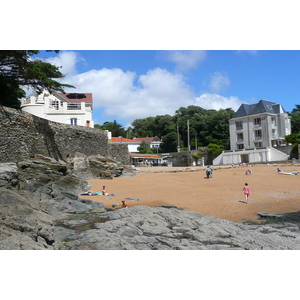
<point x="133" y="84"/>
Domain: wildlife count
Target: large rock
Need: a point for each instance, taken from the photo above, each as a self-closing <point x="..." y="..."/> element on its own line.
<point x="24" y="223"/>
<point x="81" y="166"/>
<point x="97" y="166"/>
<point x="146" y="228"/>
<point x="8" y="175"/>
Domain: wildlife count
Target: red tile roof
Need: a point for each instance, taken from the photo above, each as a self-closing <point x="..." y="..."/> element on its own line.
<point x="123" y="140"/>
<point x="88" y="97"/>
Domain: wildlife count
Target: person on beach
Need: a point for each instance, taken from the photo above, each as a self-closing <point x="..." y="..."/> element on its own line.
<point x="246" y="192"/>
<point x="104" y="191"/>
<point x="208" y="172"/>
<point x="124" y="204"/>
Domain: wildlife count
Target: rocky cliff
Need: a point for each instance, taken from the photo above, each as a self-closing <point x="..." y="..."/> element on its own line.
<point x="40" y="209"/>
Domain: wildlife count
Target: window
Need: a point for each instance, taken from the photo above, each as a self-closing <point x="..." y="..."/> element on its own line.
<point x="240" y="146"/>
<point x="273" y="121"/>
<point x="240" y="137"/>
<point x="257" y="121"/>
<point x="73" y="121"/>
<point x="239" y="125"/>
<point x="257" y="134"/>
<point x="273" y="133"/>
<point x="258" y="144"/>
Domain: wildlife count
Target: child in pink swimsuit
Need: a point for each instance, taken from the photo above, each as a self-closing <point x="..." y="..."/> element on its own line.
<point x="246" y="192"/>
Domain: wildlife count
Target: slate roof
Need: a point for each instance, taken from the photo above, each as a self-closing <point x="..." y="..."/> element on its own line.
<point x="263" y="106"/>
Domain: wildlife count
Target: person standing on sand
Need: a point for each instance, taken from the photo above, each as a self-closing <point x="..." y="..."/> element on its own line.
<point x="246" y="192"/>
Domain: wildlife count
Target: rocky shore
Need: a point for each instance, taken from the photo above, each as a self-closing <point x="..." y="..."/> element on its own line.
<point x="40" y="209"/>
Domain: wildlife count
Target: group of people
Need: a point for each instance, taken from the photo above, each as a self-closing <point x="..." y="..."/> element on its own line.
<point x="248" y="172"/>
<point x="149" y="163"/>
<point x="105" y="193"/>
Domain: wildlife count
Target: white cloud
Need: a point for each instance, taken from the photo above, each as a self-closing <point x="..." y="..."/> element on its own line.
<point x="158" y="92"/>
<point x="185" y="60"/>
<point x="218" y="82"/>
<point x="215" y="101"/>
<point x="67" y="61"/>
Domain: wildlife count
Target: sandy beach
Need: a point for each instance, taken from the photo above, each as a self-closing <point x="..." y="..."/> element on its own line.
<point x="220" y="196"/>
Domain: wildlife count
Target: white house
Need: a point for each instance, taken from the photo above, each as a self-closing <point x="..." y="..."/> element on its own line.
<point x="256" y="133"/>
<point x="71" y="108"/>
<point x="154" y="142"/>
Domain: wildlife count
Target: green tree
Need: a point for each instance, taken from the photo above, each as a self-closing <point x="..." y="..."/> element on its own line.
<point x="294" y="139"/>
<point x="215" y="149"/>
<point x="18" y="70"/>
<point x="114" y="127"/>
<point x="144" y="147"/>
<point x="295" y="119"/>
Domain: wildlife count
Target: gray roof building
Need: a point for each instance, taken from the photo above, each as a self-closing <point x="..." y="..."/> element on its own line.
<point x="257" y="133"/>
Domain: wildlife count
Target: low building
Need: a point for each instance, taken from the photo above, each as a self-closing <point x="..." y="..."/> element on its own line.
<point x="145" y="159"/>
<point x="72" y="108"/>
<point x="257" y="134"/>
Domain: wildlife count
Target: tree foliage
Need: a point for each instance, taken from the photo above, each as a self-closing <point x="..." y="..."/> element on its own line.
<point x="18" y="70"/>
<point x="205" y="127"/>
<point x="114" y="127"/>
<point x="295" y="119"/>
<point x="144" y="147"/>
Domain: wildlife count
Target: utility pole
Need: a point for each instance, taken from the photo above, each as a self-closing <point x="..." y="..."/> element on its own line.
<point x="188" y="130"/>
<point x="178" y="142"/>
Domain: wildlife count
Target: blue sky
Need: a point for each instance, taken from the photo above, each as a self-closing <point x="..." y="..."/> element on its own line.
<point x="132" y="84"/>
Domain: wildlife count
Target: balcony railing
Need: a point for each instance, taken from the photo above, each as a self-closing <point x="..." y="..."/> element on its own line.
<point x="74" y="106"/>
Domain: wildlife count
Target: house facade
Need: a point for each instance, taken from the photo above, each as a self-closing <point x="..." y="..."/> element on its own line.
<point x="154" y="142"/>
<point x="71" y="108"/>
<point x="257" y="131"/>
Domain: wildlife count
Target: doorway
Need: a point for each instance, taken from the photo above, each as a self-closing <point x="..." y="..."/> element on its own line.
<point x="245" y="158"/>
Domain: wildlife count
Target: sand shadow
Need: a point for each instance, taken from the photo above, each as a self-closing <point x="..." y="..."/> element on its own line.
<point x="242" y="201"/>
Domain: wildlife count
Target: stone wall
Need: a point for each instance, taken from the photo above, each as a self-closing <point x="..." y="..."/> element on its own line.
<point x="119" y="152"/>
<point x="24" y="135"/>
<point x="181" y="159"/>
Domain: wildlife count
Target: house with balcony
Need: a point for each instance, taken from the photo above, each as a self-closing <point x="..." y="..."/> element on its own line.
<point x="257" y="134"/>
<point x="71" y="108"/>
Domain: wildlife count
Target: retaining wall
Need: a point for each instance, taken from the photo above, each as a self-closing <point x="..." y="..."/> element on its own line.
<point x="23" y="135"/>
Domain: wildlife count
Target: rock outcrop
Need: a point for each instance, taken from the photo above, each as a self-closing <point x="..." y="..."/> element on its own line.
<point x="40" y="209"/>
<point x="145" y="228"/>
